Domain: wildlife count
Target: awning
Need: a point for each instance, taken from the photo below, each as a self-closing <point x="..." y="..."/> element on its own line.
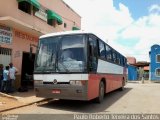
<point x="35" y="3"/>
<point x="54" y="16"/>
<point x="75" y="28"/>
<point x="14" y="23"/>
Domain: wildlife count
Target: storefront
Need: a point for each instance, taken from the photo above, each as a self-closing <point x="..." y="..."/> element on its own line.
<point x="5" y="38"/>
<point x="15" y="48"/>
<point x="21" y="24"/>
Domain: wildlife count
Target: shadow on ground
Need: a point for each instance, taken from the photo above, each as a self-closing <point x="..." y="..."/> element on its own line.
<point x="29" y="93"/>
<point x="86" y="106"/>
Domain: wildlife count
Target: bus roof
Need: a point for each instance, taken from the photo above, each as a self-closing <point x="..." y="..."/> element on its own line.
<point x="72" y="32"/>
<point x="65" y="33"/>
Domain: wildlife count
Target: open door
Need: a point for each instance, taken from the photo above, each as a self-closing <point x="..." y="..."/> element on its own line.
<point x="27" y="70"/>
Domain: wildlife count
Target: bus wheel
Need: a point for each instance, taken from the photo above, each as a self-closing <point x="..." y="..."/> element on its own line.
<point x="100" y="97"/>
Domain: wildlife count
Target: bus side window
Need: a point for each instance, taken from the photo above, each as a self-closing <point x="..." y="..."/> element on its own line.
<point x="102" y="51"/>
<point x="125" y="61"/>
<point x="91" y="49"/>
<point x="122" y="61"/>
<point x="118" y="60"/>
<point x="114" y="57"/>
<point x="108" y="53"/>
<point x="92" y="53"/>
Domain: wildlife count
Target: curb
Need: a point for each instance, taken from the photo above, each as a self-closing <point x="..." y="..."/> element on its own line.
<point x="9" y="96"/>
<point x="133" y="81"/>
<point x="25" y="105"/>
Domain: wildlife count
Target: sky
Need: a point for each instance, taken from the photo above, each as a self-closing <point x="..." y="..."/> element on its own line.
<point x="129" y="26"/>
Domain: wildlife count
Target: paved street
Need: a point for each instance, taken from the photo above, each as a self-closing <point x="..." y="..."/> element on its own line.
<point x="136" y="98"/>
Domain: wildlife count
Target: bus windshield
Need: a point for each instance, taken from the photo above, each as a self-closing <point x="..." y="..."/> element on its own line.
<point x="61" y="54"/>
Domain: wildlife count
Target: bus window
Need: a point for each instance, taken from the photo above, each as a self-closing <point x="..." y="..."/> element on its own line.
<point x="108" y="53"/>
<point x="102" y="50"/>
<point x="124" y="61"/>
<point x="92" y="53"/>
<point x="114" y="57"/>
<point x="118" y="60"/>
<point x="72" y="54"/>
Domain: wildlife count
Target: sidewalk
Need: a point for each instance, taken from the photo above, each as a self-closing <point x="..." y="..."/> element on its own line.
<point x="18" y="99"/>
<point x="139" y="81"/>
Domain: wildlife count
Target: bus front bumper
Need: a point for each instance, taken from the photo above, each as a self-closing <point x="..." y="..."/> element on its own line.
<point x="60" y="91"/>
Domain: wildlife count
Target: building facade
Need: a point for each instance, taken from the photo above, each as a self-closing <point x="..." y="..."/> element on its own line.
<point x="21" y="24"/>
<point x="131" y="60"/>
<point x="132" y="70"/>
<point x="155" y="63"/>
<point x="132" y="73"/>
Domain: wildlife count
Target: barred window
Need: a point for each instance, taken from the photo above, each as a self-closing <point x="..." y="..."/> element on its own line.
<point x="5" y="51"/>
<point x="5" y="56"/>
<point x="158" y="58"/>
<point x="158" y="72"/>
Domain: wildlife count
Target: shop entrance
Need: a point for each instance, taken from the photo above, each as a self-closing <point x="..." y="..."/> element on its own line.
<point x="27" y="70"/>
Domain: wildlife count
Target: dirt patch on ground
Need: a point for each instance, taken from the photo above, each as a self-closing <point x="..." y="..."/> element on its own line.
<point x="8" y="103"/>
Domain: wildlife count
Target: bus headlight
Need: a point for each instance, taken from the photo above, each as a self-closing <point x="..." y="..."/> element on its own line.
<point x="38" y="82"/>
<point x="78" y="82"/>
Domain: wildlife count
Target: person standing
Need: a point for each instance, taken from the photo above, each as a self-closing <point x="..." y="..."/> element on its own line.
<point x="12" y="72"/>
<point x="5" y="80"/>
<point x="1" y="75"/>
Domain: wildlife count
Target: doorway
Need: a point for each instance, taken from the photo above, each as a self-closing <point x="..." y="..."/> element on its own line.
<point x="27" y="70"/>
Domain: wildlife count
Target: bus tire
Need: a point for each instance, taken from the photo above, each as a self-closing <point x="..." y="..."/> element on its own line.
<point x="100" y="97"/>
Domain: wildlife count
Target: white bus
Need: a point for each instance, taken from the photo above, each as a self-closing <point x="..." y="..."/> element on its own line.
<point x="77" y="65"/>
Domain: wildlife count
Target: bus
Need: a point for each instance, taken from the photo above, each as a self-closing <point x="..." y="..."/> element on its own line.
<point x="77" y="65"/>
